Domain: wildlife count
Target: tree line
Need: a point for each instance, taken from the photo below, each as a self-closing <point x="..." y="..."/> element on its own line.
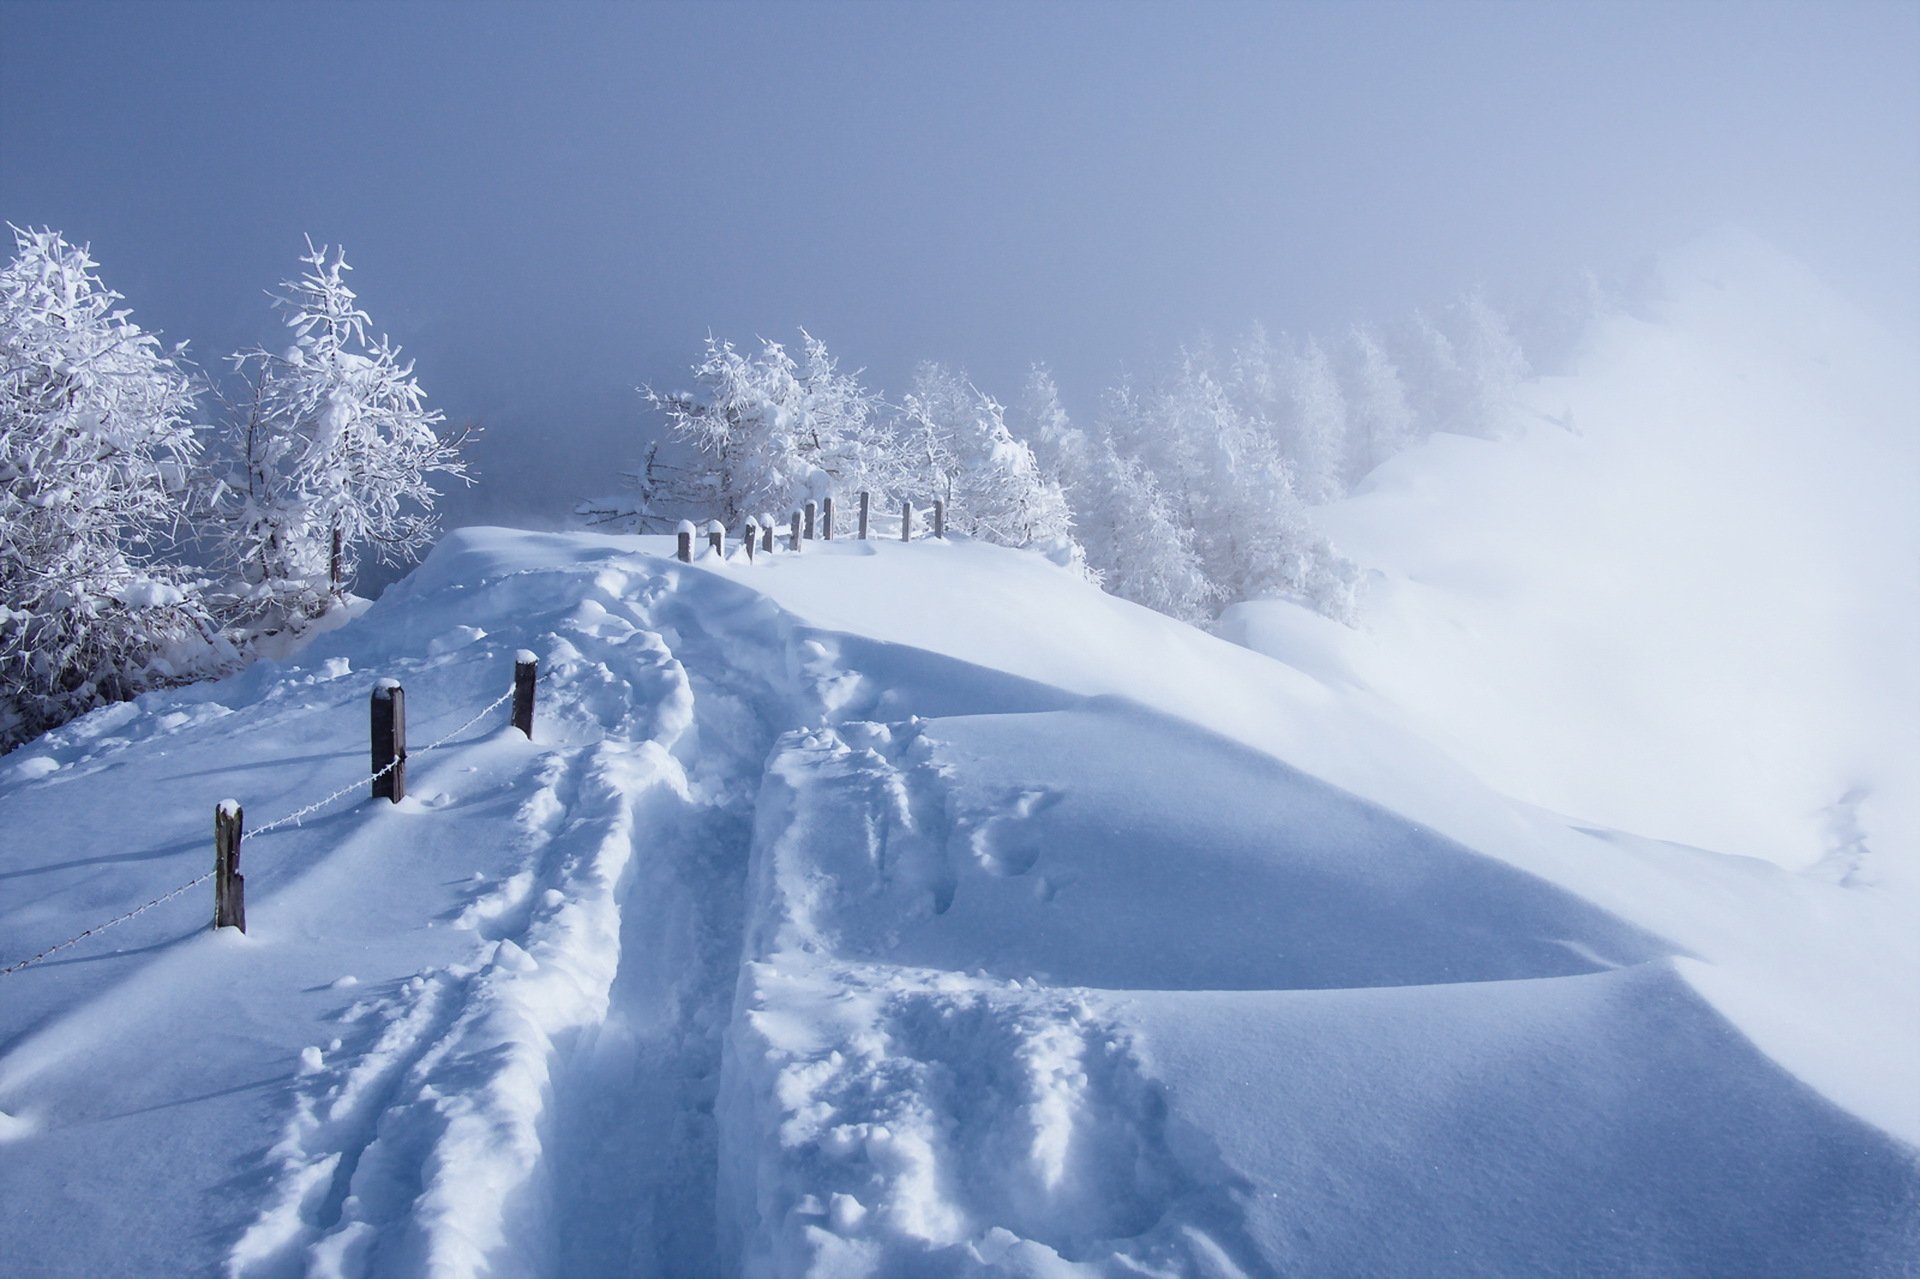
<point x="159" y="525"/>
<point x="141" y="545"/>
<point x="1184" y="492"/>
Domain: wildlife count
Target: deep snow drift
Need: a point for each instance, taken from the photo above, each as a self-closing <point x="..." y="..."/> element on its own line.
<point x="918" y="910"/>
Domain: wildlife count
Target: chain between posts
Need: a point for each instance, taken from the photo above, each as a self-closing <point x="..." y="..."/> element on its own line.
<point x="291" y="819"/>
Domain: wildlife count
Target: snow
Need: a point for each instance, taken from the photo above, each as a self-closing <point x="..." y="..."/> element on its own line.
<point x="918" y="909"/>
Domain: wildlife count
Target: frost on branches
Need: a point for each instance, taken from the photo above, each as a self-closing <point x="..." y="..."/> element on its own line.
<point x="764" y="432"/>
<point x="960" y="450"/>
<point x="338" y="448"/>
<point x="95" y="444"/>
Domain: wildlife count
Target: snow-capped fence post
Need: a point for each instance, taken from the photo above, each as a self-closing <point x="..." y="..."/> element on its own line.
<point x="750" y="534"/>
<point x="809" y="509"/>
<point x="389" y="741"/>
<point x="826" y="519"/>
<point x="939" y="518"/>
<point x="906" y="521"/>
<point x="865" y="499"/>
<point x="229" y="885"/>
<point x="766" y="532"/>
<point x="717" y="538"/>
<point x="684" y="552"/>
<point x="793" y="537"/>
<point x="526" y="673"/>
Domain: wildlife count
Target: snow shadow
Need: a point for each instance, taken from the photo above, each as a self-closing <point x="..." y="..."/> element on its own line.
<point x="1608" y="1124"/>
<point x="1110" y="846"/>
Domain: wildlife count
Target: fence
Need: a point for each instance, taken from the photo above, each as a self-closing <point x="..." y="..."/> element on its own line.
<point x="814" y="520"/>
<point x="388" y="780"/>
<point x="388" y="714"/>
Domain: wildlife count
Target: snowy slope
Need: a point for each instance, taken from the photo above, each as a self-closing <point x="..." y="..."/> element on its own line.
<point x="1686" y="601"/>
<point x="900" y="910"/>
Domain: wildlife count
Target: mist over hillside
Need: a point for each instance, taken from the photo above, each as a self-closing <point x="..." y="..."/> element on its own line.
<point x="1681" y="602"/>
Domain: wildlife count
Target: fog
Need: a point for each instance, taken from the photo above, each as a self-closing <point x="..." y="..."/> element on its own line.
<point x="548" y="205"/>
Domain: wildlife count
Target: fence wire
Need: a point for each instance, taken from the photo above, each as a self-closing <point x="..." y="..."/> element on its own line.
<point x="279" y="823"/>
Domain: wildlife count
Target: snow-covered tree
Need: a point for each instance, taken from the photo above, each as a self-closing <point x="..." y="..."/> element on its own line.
<point x="1056" y="443"/>
<point x="96" y="438"/>
<point x="993" y="486"/>
<point x="1134" y="541"/>
<point x="1430" y="370"/>
<point x="764" y="432"/>
<point x="1380" y="422"/>
<point x="1492" y="367"/>
<point x="1222" y="476"/>
<point x="1313" y="424"/>
<point x="1554" y="329"/>
<point x="339" y="450"/>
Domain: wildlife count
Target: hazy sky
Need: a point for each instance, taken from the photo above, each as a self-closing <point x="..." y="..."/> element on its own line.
<point x="548" y="204"/>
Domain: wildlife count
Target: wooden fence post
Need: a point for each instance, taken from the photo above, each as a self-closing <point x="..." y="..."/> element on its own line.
<point x="526" y="673"/>
<point x="939" y="518"/>
<point x="684" y="553"/>
<point x="389" y="740"/>
<point x="717" y="538"/>
<point x="865" y="497"/>
<point x="334" y="572"/>
<point x="826" y="519"/>
<point x="766" y="531"/>
<point x="793" y="538"/>
<point x="750" y="535"/>
<point x="229" y="886"/>
<point x="809" y="509"/>
<point x="906" y="521"/>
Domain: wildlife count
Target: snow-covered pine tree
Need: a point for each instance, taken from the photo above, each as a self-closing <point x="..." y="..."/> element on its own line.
<point x="1224" y="478"/>
<point x="1056" y="442"/>
<point x="96" y="439"/>
<point x="1133" y="540"/>
<point x="993" y="486"/>
<point x="1380" y="421"/>
<point x="1492" y="367"/>
<point x="338" y="448"/>
<point x="1430" y="370"/>
<point x="764" y="432"/>
<point x="1313" y="424"/>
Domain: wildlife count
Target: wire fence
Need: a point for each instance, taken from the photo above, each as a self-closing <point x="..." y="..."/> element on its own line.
<point x="279" y="823"/>
<point x="866" y="520"/>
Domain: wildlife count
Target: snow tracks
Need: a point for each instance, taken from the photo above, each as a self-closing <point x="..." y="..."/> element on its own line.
<point x="543" y="1105"/>
<point x="1083" y="990"/>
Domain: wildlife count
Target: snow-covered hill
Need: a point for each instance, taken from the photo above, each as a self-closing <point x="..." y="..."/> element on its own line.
<point x="919" y="910"/>
<point x="901" y="910"/>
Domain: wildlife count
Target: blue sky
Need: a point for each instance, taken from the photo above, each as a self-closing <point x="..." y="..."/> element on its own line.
<point x="548" y="204"/>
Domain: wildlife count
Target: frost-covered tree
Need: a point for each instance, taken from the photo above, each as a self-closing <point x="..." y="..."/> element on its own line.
<point x="1223" y="477"/>
<point x="1133" y="544"/>
<point x="1555" y="327"/>
<point x="1430" y="368"/>
<point x="1313" y="424"/>
<point x="339" y="454"/>
<point x="1056" y="443"/>
<point x="96" y="438"/>
<point x="1380" y="422"/>
<point x="993" y="486"/>
<point x="764" y="432"/>
<point x="1492" y="366"/>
